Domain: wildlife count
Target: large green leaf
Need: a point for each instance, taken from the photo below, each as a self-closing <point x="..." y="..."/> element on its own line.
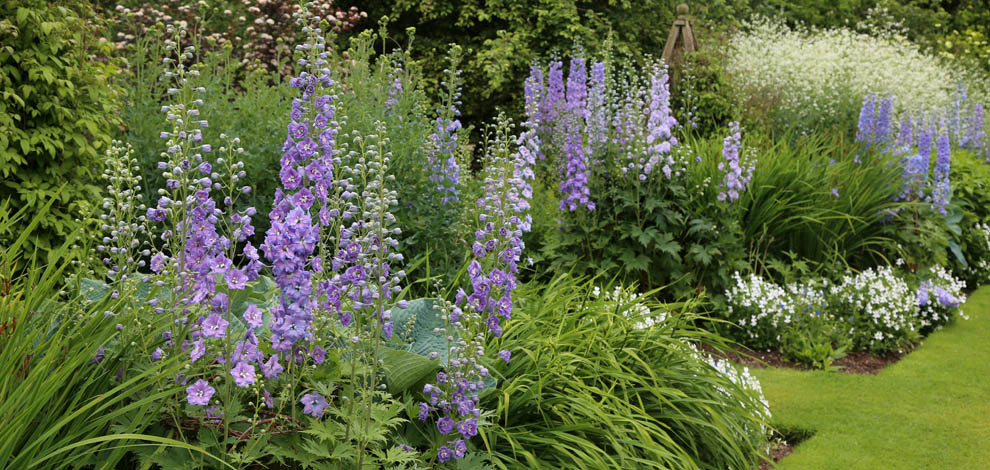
<point x="404" y="369"/>
<point x="416" y="326"/>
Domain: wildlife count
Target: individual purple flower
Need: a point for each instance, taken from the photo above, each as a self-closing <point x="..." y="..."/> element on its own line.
<point x="199" y="393"/>
<point x="271" y="368"/>
<point x="236" y="279"/>
<point x="319" y="355"/>
<point x="468" y="428"/>
<point x="505" y="355"/>
<point x="314" y="404"/>
<point x="157" y="355"/>
<point x="98" y="357"/>
<point x="445" y="425"/>
<point x="252" y="316"/>
<point x="158" y="261"/>
<point x="214" y="326"/>
<point x="424" y="411"/>
<point x="198" y="350"/>
<point x="243" y="374"/>
<point x="444" y="454"/>
<point x="460" y="448"/>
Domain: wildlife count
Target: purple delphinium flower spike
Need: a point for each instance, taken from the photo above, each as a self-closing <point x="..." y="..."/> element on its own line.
<point x="865" y="128"/>
<point x="574" y="181"/>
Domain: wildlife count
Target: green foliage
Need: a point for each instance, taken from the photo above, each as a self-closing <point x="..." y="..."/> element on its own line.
<point x="702" y="95"/>
<point x="56" y="111"/>
<point x="586" y="388"/>
<point x="971" y="194"/>
<point x="815" y="341"/>
<point x="790" y="206"/>
<point x="64" y="403"/>
<point x="501" y="38"/>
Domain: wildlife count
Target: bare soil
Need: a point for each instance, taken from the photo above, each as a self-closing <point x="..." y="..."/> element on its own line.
<point x="853" y="363"/>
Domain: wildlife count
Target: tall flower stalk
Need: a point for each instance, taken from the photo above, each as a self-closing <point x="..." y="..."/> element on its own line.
<point x="478" y="312"/>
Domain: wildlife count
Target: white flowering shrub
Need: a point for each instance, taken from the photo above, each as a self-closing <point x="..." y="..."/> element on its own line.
<point x="754" y="400"/>
<point x="939" y="298"/>
<point x="763" y="308"/>
<point x="819" y="77"/>
<point x="631" y="304"/>
<point x="634" y="306"/>
<point x="881" y="306"/>
<point x="877" y="310"/>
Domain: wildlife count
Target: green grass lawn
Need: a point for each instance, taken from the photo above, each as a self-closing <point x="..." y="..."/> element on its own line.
<point x="930" y="410"/>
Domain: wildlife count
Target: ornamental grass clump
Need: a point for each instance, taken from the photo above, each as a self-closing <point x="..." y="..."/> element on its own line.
<point x="587" y="387"/>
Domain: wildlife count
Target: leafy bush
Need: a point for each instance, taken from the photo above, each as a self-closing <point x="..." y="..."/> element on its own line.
<point x="255" y="30"/>
<point x="591" y="386"/>
<point x="55" y="115"/>
<point x="502" y="39"/>
<point x="702" y="96"/>
<point x="970" y="182"/>
<point x="252" y="110"/>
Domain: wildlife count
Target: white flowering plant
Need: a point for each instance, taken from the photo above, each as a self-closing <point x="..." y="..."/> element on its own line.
<point x="940" y="295"/>
<point x="881" y="308"/>
<point x="815" y="79"/>
<point x="816" y="321"/>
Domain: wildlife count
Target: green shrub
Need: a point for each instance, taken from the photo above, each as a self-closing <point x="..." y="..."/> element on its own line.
<point x="501" y="39"/>
<point x="971" y="193"/>
<point x="56" y="112"/>
<point x="590" y="385"/>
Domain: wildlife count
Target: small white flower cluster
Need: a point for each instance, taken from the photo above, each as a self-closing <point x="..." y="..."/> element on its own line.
<point x="881" y="309"/>
<point x="816" y="73"/>
<point x="757" y="402"/>
<point x="629" y="303"/>
<point x="763" y="307"/>
<point x="880" y="304"/>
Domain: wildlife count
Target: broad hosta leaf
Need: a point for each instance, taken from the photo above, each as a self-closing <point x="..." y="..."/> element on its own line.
<point x="403" y="369"/>
<point x="93" y="290"/>
<point x="415" y="326"/>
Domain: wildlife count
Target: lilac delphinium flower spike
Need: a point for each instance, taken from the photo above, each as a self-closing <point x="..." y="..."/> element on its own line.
<point x="737" y="177"/>
<point x="480" y="310"/>
<point x="597" y="118"/>
<point x="659" y="123"/>
<point x="865" y="129"/>
<point x="942" y="189"/>
<point x="302" y="206"/>
<point x="443" y="142"/>
<point x="552" y="101"/>
<point x="574" y="180"/>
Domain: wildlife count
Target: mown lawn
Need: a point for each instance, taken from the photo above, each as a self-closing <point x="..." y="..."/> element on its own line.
<point x="930" y="410"/>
